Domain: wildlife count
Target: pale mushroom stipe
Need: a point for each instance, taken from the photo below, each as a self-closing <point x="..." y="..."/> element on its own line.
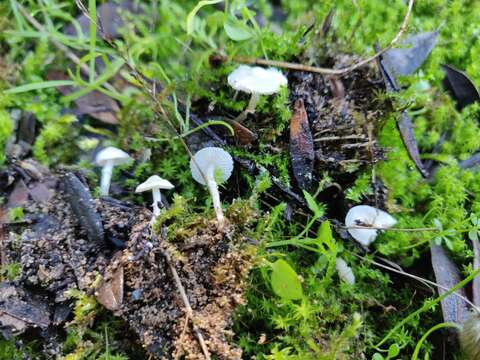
<point x="364" y="215"/>
<point x="155" y="183"/>
<point x="107" y="159"/>
<point x="209" y="165"/>
<point x="256" y="81"/>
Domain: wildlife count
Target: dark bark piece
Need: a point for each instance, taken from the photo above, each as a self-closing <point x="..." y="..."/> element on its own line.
<point x="460" y="87"/>
<point x="96" y="104"/>
<point x="83" y="206"/>
<point x="302" y="153"/>
<point x="476" y="280"/>
<point x="404" y="124"/>
<point x="110" y="293"/>
<point x="454" y="308"/>
<point x="26" y="128"/>
<point x="406" y="60"/>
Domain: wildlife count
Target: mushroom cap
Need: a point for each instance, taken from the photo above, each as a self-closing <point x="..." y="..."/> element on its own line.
<point x="364" y="215"/>
<point x="221" y="161"/>
<point x="345" y="272"/>
<point x="255" y="79"/>
<point x="154" y="182"/>
<point x="116" y="156"/>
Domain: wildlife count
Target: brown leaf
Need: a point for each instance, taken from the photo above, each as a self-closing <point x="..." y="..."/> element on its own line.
<point x="454" y="308"/>
<point x="404" y="124"/>
<point x="301" y="146"/>
<point x="110" y="293"/>
<point x="96" y="104"/>
<point x="19" y="195"/>
<point x="243" y="135"/>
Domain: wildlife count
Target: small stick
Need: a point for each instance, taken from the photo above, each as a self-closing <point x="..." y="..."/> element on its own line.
<point x="188" y="307"/>
<point x="326" y="71"/>
<point x="334" y="138"/>
<point x="390" y="229"/>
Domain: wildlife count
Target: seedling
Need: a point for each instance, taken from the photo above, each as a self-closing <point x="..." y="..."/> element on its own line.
<point x="155" y="183"/>
<point x="255" y="81"/>
<point x="367" y="216"/>
<point x="107" y="159"/>
<point x="211" y="166"/>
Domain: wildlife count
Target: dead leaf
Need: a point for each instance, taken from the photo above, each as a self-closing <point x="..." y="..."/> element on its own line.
<point x="96" y="104"/>
<point x="109" y="18"/>
<point x="19" y="195"/>
<point x="476" y="280"/>
<point x="243" y="135"/>
<point x="110" y="293"/>
<point x="460" y="87"/>
<point x="454" y="308"/>
<point x="415" y="50"/>
<point x="40" y="192"/>
<point x="301" y="146"/>
<point x="404" y="124"/>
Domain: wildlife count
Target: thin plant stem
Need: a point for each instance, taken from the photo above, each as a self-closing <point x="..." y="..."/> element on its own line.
<point x="443" y="325"/>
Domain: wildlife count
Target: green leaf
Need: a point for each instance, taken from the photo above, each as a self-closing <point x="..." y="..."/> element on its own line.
<point x="39" y="85"/>
<point x="377" y="356"/>
<point x="318" y="211"/>
<point x="393" y="351"/>
<point x="325" y="233"/>
<point x="285" y="281"/>
<point x="196" y="9"/>
<point x="237" y="30"/>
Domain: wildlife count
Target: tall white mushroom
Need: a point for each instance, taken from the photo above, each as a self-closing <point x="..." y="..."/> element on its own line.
<point x="107" y="159"/>
<point x="256" y="81"/>
<point x="211" y="166"/>
<point x="368" y="216"/>
<point x="155" y="183"/>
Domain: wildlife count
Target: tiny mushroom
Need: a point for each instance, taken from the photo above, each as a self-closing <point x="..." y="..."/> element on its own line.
<point x="107" y="159"/>
<point x="209" y="166"/>
<point x="367" y="216"/>
<point x="155" y="183"/>
<point x="256" y="81"/>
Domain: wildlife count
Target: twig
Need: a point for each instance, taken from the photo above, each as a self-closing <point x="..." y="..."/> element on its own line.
<point x="188" y="307"/>
<point x="390" y="229"/>
<point x="418" y="278"/>
<point x="320" y="70"/>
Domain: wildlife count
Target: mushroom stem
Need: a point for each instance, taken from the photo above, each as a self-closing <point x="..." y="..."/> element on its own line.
<point x="213" y="189"/>
<point x="157" y="199"/>
<point x="252" y="104"/>
<point x="106" y="178"/>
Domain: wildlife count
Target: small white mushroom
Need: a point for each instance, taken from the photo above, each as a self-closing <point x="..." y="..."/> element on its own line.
<point x="256" y="81"/>
<point x="368" y="216"/>
<point x="107" y="159"/>
<point x="155" y="183"/>
<point x="345" y="272"/>
<point x="209" y="165"/>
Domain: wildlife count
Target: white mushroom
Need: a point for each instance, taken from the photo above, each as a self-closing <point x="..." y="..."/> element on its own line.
<point x="345" y="272"/>
<point x="368" y="216"/>
<point x="256" y="81"/>
<point x="155" y="183"/>
<point x="107" y="159"/>
<point x="209" y="166"/>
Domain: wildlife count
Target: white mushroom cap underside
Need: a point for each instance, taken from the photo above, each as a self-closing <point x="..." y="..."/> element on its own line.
<point x="364" y="215"/>
<point x="256" y="79"/>
<point x="211" y="156"/>
<point x="344" y="271"/>
<point x="112" y="154"/>
<point x="154" y="182"/>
